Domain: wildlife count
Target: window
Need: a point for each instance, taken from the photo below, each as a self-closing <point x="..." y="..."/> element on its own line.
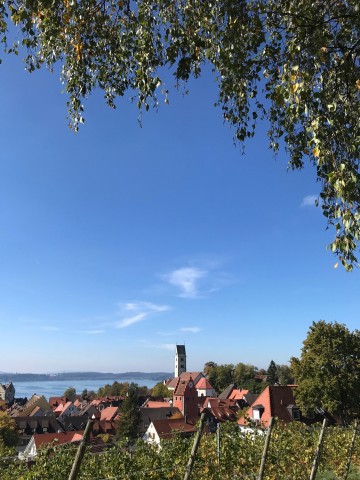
<point x="296" y="414"/>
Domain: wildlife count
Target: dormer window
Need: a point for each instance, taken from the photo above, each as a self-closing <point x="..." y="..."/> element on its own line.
<point x="294" y="412"/>
<point x="258" y="410"/>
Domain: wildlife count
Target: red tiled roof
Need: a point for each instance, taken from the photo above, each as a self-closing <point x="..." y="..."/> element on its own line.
<point x="237" y="394"/>
<point x="104" y="426"/>
<point x="62" y="437"/>
<point x="203" y="384"/>
<point x="171" y="383"/>
<point x="55" y="401"/>
<point x="109" y="413"/>
<point x="165" y="428"/>
<point x="183" y="384"/>
<point x="221" y="409"/>
<point x="156" y="404"/>
<point x="274" y="399"/>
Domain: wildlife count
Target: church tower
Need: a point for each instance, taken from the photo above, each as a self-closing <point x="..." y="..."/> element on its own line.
<point x="180" y="360"/>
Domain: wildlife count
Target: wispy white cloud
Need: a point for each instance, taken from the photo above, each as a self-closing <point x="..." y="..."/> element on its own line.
<point x="126" y="322"/>
<point x="49" y="328"/>
<point x="140" y="310"/>
<point x="138" y="306"/>
<point x="309" y="201"/>
<point x="190" y="329"/>
<point x="94" y="332"/>
<point x="186" y="279"/>
<point x="183" y="330"/>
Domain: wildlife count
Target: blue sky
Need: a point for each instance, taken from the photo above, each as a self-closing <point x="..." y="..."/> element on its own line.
<point x="119" y="242"/>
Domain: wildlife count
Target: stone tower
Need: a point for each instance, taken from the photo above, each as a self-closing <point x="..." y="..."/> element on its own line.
<point x="180" y="359"/>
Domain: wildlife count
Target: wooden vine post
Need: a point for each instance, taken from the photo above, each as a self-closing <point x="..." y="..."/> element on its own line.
<point x="81" y="451"/>
<point x="351" y="449"/>
<point x="194" y="449"/>
<point x="318" y="450"/>
<point x="265" y="451"/>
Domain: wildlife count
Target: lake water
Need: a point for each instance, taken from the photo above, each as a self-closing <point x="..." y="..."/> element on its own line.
<point x="55" y="388"/>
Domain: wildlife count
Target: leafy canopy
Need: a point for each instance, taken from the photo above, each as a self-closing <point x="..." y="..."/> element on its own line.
<point x="293" y="62"/>
<point x="127" y="425"/>
<point x="328" y="371"/>
<point x="161" y="390"/>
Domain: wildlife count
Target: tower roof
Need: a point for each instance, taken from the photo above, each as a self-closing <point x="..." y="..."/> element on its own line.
<point x="180" y="349"/>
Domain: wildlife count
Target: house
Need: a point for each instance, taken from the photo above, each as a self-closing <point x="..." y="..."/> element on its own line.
<point x="103" y="402"/>
<point x="275" y="401"/>
<point x="37" y="405"/>
<point x="74" y="422"/>
<point x="195" y="376"/>
<point x="219" y="410"/>
<point x="7" y="393"/>
<point x="109" y="414"/>
<point x="62" y="411"/>
<point x="185" y="398"/>
<point x="227" y="392"/>
<point x="104" y="426"/>
<point x="38" y="441"/>
<point x="204" y="388"/>
<point x="157" y="404"/>
<point x="56" y="401"/>
<point x="30" y="425"/>
<point x="163" y="429"/>
<point x="148" y="415"/>
<point x="243" y="398"/>
<point x="87" y="409"/>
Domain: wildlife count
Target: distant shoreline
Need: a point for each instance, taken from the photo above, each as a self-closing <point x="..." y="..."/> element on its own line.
<point x="69" y="376"/>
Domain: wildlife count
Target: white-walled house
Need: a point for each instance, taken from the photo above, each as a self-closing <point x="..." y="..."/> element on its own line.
<point x="204" y="388"/>
<point x="63" y="411"/>
<point x="38" y="440"/>
<point x="162" y="429"/>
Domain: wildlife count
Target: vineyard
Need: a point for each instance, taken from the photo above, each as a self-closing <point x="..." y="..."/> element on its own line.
<point x="231" y="455"/>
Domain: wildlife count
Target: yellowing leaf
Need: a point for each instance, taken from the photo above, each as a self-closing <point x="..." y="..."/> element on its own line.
<point x="336" y="265"/>
<point x="357" y="83"/>
<point x="316" y="152"/>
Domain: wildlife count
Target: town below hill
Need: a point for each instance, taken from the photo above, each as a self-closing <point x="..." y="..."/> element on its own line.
<point x="46" y="377"/>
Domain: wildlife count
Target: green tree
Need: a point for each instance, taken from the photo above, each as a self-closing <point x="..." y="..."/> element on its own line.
<point x="244" y="376"/>
<point x="272" y="373"/>
<point x="294" y="62"/>
<point x="284" y="374"/>
<point x="328" y="371"/>
<point x="208" y="366"/>
<point x="70" y="393"/>
<point x="161" y="390"/>
<point x="127" y="426"/>
<point x="221" y="376"/>
<point x="8" y="433"/>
